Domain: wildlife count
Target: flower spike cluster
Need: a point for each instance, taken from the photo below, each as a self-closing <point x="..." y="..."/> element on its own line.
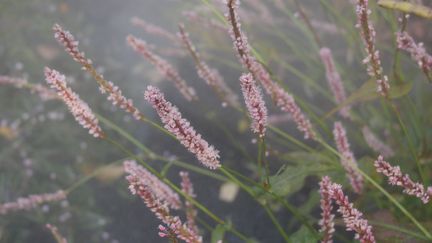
<point x="334" y="80"/>
<point x="115" y="95"/>
<point x="351" y="216"/>
<point x="210" y="75"/>
<point x="417" y="51"/>
<point x="163" y="66"/>
<point x="283" y="99"/>
<point x="159" y="189"/>
<point x="79" y="109"/>
<point x="376" y="144"/>
<point x="254" y="103"/>
<point x="162" y="212"/>
<point x="395" y="177"/>
<point x="181" y="128"/>
<point x="348" y="160"/>
<point x="372" y="59"/>
<point x="32" y="201"/>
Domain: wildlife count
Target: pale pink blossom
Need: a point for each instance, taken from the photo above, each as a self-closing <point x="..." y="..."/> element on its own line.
<point x="212" y="76"/>
<point x="79" y="109"/>
<point x="68" y="41"/>
<point x="161" y="211"/>
<point x="159" y="189"/>
<point x="191" y="212"/>
<point x="17" y="82"/>
<point x="326" y="222"/>
<point x="376" y="144"/>
<point x="254" y="103"/>
<point x="31" y="202"/>
<point x="163" y="66"/>
<point x="114" y="93"/>
<point x="55" y="232"/>
<point x="372" y="59"/>
<point x="417" y="51"/>
<point x="283" y="99"/>
<point x="351" y="216"/>
<point x="396" y="178"/>
<point x="348" y="160"/>
<point x="44" y="92"/>
<point x="334" y="80"/>
<point x="153" y="29"/>
<point x="181" y="128"/>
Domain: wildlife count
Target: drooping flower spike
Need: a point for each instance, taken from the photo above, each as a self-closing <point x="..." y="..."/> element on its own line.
<point x="31" y="202"/>
<point x="283" y="99"/>
<point x="181" y="128"/>
<point x="352" y="217"/>
<point x="163" y="66"/>
<point x="348" y="160"/>
<point x="79" y="109"/>
<point x="372" y="59"/>
<point x="212" y="76"/>
<point x="376" y="144"/>
<point x="159" y="189"/>
<point x="396" y="178"/>
<point x="115" y="95"/>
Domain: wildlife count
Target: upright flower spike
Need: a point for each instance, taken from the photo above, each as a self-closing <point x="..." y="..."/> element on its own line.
<point x="79" y="109"/>
<point x="283" y="99"/>
<point x="212" y="77"/>
<point x="326" y="222"/>
<point x="351" y="216"/>
<point x="181" y="128"/>
<point x="191" y="212"/>
<point x="255" y="104"/>
<point x="334" y="80"/>
<point x="115" y="95"/>
<point x="175" y="225"/>
<point x="159" y="189"/>
<point x="348" y="160"/>
<point x="372" y="59"/>
<point x="163" y="66"/>
<point x="376" y="144"/>
<point x="30" y="202"/>
<point x="396" y="178"/>
<point x="417" y="51"/>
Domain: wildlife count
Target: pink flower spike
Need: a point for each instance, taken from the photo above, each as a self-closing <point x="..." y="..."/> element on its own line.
<point x="159" y="189"/>
<point x="163" y="66"/>
<point x="79" y="109"/>
<point x="372" y="59"/>
<point x="153" y="29"/>
<point x="30" y="202"/>
<point x="348" y="160"/>
<point x="396" y="178"/>
<point x="181" y="128"/>
<point x="334" y="80"/>
<point x="417" y="51"/>
<point x="161" y="211"/>
<point x="254" y="103"/>
<point x="351" y="216"/>
<point x="376" y="144"/>
<point x="326" y="222"/>
<point x="68" y="41"/>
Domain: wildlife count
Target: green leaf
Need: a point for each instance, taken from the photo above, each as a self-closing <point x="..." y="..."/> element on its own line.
<point x="367" y="92"/>
<point x="303" y="235"/>
<point x="218" y="233"/>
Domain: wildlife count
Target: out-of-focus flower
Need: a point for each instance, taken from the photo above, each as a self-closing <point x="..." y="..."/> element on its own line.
<point x="30" y="202"/>
<point x="376" y="144"/>
<point x="191" y="212"/>
<point x="55" y="232"/>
